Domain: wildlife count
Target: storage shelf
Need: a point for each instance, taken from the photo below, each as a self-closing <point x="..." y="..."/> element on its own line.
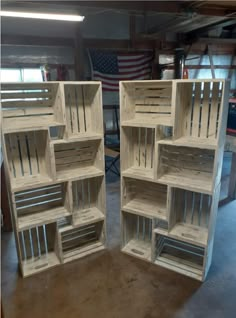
<point x="41" y="218"/>
<point x="87" y="216"/>
<point x="29" y="182"/>
<point x="191" y="181"/>
<point x="79" y="137"/>
<point x="174" y="264"/>
<point x="139" y="249"/>
<point x="146" y="208"/>
<point x="139" y="173"/>
<point x="82" y="252"/>
<point x="26" y="125"/>
<point x="151" y="123"/>
<point x="40" y="264"/>
<point x="79" y="173"/>
<point x="191" y="142"/>
<point x="190" y="233"/>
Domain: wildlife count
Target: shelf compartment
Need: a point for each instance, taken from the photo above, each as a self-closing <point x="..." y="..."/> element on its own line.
<point x="80" y="241"/>
<point x="137" y="235"/>
<point x="88" y="200"/>
<point x="138" y="152"/>
<point x="186" y="167"/>
<point x="83" y="109"/>
<point x="41" y="205"/>
<point x="38" y="248"/>
<point x="190" y="215"/>
<point x="182" y="257"/>
<point x="199" y="109"/>
<point x="29" y="158"/>
<point x="146" y="102"/>
<point x="78" y="159"/>
<point x="31" y="105"/>
<point x="145" y="198"/>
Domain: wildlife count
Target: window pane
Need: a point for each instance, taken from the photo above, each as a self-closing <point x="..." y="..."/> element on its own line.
<point x="32" y="75"/>
<point x="10" y="75"/>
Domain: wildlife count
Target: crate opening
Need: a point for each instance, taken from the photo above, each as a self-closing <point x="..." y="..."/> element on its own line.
<point x="186" y="166"/>
<point x="29" y="105"/>
<point x="145" y="197"/>
<point x="28" y="157"/>
<point x="199" y="107"/>
<point x="41" y="204"/>
<point x="87" y="200"/>
<point x="78" y="240"/>
<point x="147" y="101"/>
<point x="39" y="248"/>
<point x="78" y="159"/>
<point x="57" y="132"/>
<point x="190" y="214"/>
<point x="81" y="102"/>
<point x="179" y="256"/>
<point x="137" y="235"/>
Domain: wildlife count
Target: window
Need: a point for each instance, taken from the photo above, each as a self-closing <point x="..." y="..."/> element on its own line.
<point x="21" y="75"/>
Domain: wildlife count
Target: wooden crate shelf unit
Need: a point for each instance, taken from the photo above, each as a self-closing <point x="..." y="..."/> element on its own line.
<point x="88" y="200"/>
<point x="172" y="144"/>
<point x="146" y="103"/>
<point x="53" y="151"/>
<point x="77" y="242"/>
<point x="31" y="105"/>
<point x="39" y="248"/>
<point x="29" y="158"/>
<point x="136" y="235"/>
<point x="199" y="112"/>
<point x="83" y="111"/>
<point x="144" y="198"/>
<point x="41" y="205"/>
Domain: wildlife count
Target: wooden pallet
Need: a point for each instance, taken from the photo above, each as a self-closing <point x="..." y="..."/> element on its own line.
<point x="172" y="142"/>
<point x="54" y="162"/>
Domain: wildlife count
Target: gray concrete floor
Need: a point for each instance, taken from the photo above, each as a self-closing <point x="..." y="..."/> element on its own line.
<point x="111" y="284"/>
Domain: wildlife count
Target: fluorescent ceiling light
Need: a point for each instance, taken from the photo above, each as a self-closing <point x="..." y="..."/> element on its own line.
<point x="45" y="16"/>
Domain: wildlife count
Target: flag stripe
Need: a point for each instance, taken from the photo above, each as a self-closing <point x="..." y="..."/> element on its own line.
<point x="110" y="68"/>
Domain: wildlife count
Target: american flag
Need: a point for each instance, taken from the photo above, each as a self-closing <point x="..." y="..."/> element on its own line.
<point x="110" y="68"/>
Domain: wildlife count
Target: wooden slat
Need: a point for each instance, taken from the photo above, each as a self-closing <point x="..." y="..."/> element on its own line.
<point x="29" y="111"/>
<point x="153" y="109"/>
<point x="196" y="110"/>
<point x="81" y="105"/>
<point x="27" y="103"/>
<point x="23" y="95"/>
<point x="15" y="155"/>
<point x="214" y="110"/>
<point x="24" y="154"/>
<point x="205" y="110"/>
<point x="33" y="154"/>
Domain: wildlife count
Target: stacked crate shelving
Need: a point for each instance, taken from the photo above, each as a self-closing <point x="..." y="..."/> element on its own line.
<point x="54" y="162"/>
<point x="172" y="141"/>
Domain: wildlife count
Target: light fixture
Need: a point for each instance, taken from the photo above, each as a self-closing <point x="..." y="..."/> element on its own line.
<point x="44" y="16"/>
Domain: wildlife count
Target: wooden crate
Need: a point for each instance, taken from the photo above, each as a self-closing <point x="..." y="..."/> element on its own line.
<point x="78" y="159"/>
<point x="83" y="109"/>
<point x="41" y="205"/>
<point x="182" y="257"/>
<point x="144" y="198"/>
<point x="193" y="216"/>
<point x="200" y="112"/>
<point x="147" y="103"/>
<point x="38" y="248"/>
<point x="138" y="150"/>
<point x="31" y="105"/>
<point x="88" y="200"/>
<point x="186" y="167"/>
<point x="136" y="235"/>
<point x="28" y="158"/>
<point x="76" y="242"/>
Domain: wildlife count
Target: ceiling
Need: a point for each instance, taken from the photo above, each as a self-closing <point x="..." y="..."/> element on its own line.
<point x="189" y="18"/>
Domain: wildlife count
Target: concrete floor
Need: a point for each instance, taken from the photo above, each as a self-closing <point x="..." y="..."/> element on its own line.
<point x="110" y="284"/>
